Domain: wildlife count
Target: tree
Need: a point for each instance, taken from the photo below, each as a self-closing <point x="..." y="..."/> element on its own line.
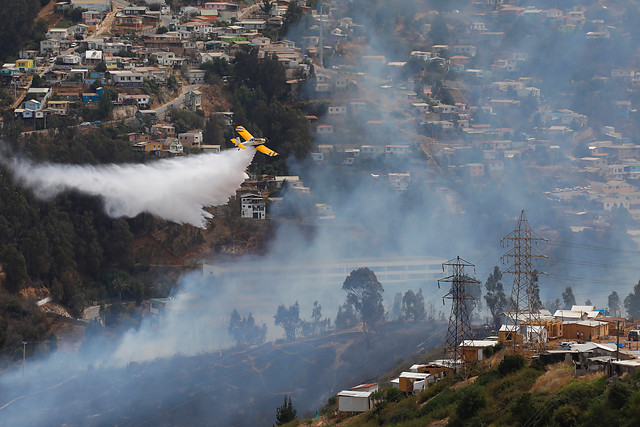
<point x="614" y="303"/>
<point x="105" y="106"/>
<point x="316" y="325"/>
<point x="471" y="402"/>
<point x="172" y="82"/>
<point x="15" y="268"/>
<point x="289" y="319"/>
<point x="413" y="306"/>
<point x="364" y="293"/>
<point x="244" y="330"/>
<point x="346" y="317"/>
<point x="292" y="16"/>
<point x="553" y="306"/>
<point x="568" y="298"/>
<point x="266" y="7"/>
<point x="495" y="297"/>
<point x="285" y="413"/>
<point x="185" y="120"/>
<point x="632" y="302"/>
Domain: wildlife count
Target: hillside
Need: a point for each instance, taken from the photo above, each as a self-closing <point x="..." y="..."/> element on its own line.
<point x="512" y="392"/>
<point x="239" y="386"/>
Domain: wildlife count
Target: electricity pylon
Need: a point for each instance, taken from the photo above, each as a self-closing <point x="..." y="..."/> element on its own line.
<point x="525" y="302"/>
<point x="459" y="324"/>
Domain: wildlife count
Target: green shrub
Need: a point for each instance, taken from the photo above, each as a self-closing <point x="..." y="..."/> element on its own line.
<point x="566" y="416"/>
<point x="619" y="394"/>
<point x="471" y="402"/>
<point x="439" y="401"/>
<point x="399" y="413"/>
<point x="487" y="377"/>
<point x="511" y="363"/>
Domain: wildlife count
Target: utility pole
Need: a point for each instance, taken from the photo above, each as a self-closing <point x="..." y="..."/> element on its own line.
<point x="618" y="341"/>
<point x="24" y="357"/>
<point x="321" y="51"/>
<point x="459" y="324"/>
<point x="525" y="303"/>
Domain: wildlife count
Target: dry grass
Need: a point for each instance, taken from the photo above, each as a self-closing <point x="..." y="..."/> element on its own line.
<point x="590" y="376"/>
<point x="556" y="377"/>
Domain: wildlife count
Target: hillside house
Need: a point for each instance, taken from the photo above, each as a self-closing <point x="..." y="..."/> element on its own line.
<point x="372" y="387"/>
<point x="472" y="349"/>
<point x="252" y="206"/>
<point x="195" y="75"/>
<point x="354" y="401"/>
<point x="507" y="333"/>
<point x="193" y="100"/>
<point x="586" y="330"/>
<point x="413" y="382"/>
<point x="148" y="147"/>
<point x="436" y="369"/>
<point x="126" y="78"/>
<point x="50" y="46"/>
<point x="191" y="139"/>
<point x="324" y="129"/>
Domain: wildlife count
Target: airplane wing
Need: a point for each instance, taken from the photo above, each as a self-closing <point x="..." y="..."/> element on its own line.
<point x="244" y="133"/>
<point x="266" y="150"/>
<point x="236" y="142"/>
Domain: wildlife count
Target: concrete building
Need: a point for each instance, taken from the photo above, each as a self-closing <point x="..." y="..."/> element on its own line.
<point x="252" y="206"/>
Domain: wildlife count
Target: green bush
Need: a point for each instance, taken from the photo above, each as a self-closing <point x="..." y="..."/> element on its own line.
<point x="487" y="377"/>
<point x="566" y="416"/>
<point x="511" y="363"/>
<point x="619" y="394"/>
<point x="471" y="402"/>
<point x="439" y="401"/>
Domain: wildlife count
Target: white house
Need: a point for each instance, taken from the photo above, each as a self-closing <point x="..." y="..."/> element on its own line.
<point x="252" y="206"/>
<point x="354" y="401"/>
<point x="57" y="33"/>
<point x="210" y="56"/>
<point x="50" y="46"/>
<point x="127" y="78"/>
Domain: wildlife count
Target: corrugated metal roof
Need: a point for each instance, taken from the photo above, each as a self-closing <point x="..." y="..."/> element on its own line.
<point x="351" y="393"/>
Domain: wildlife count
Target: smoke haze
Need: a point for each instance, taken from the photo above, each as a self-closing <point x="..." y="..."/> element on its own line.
<point x="176" y="189"/>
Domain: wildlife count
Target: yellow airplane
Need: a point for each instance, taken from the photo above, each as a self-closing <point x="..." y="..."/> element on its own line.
<point x="250" y="140"/>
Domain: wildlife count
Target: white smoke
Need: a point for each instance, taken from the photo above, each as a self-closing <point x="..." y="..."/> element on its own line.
<point x="176" y="189"/>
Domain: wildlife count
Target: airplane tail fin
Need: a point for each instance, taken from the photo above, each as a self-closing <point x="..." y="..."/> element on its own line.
<point x="236" y="142"/>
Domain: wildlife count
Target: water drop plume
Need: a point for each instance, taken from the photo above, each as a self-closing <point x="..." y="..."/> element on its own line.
<point x="177" y="189"/>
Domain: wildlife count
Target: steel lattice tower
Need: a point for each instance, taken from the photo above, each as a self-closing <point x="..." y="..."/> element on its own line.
<point x="524" y="305"/>
<point x="459" y="324"/>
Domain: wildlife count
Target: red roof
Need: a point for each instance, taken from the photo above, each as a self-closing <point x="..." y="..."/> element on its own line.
<point x="363" y="386"/>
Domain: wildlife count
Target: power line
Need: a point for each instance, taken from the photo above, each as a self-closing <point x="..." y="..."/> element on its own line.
<point x="592" y="247"/>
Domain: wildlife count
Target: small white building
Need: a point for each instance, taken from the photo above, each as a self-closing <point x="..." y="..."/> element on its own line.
<point x="252" y="206"/>
<point x="414" y="382"/>
<point x="354" y="401"/>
